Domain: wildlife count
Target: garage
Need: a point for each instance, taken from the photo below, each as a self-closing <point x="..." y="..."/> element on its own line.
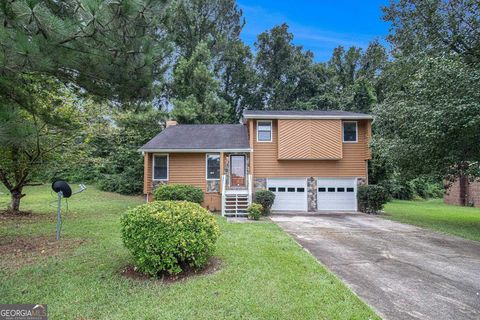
<point x="337" y="194"/>
<point x="290" y="193"/>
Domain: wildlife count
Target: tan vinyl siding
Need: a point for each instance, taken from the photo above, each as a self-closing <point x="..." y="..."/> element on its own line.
<point x="309" y="139"/>
<point x="352" y="164"/>
<point x="183" y="168"/>
<point x="187" y="168"/>
<point x="212" y="201"/>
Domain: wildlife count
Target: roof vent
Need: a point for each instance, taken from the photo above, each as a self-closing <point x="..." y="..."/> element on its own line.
<point x="171" y="123"/>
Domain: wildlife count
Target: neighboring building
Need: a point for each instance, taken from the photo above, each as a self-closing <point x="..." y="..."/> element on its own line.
<point x="311" y="160"/>
<point x="463" y="192"/>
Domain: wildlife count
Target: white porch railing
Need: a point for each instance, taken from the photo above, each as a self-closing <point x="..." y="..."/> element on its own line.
<point x="224" y="182"/>
<point x="250" y="188"/>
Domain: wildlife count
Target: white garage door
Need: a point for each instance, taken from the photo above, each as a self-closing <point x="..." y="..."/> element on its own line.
<point x="290" y="194"/>
<point x="336" y="194"/>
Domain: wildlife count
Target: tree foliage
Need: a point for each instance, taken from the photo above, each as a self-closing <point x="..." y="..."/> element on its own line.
<point x="35" y="133"/>
<point x="111" y="49"/>
<point x="196" y="91"/>
<point x="430" y="126"/>
<point x="435" y="27"/>
<point x="285" y="70"/>
<point x="120" y="169"/>
<point x="427" y="124"/>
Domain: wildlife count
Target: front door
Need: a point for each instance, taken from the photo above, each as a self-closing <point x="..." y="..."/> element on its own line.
<point x="237" y="171"/>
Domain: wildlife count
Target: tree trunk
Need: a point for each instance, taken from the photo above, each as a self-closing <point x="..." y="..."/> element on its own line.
<point x="16" y="195"/>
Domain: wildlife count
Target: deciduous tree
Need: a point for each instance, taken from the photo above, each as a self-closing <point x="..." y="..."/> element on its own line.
<point x="34" y="132"/>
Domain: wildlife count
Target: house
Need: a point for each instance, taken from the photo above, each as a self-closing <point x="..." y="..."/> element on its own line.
<point x="311" y="160"/>
<point x="463" y="192"/>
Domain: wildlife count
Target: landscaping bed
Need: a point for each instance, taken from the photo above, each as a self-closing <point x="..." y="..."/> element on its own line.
<point x="263" y="273"/>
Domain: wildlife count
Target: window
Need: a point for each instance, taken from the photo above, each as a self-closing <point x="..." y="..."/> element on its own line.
<point x="160" y="167"/>
<point x="281" y="189"/>
<point x="340" y="189"/>
<point x="322" y="189"/>
<point x="349" y="189"/>
<point x="272" y="189"/>
<point x="331" y="189"/>
<point x="264" y="131"/>
<point x="291" y="189"/>
<point x="300" y="189"/>
<point x="213" y="166"/>
<point x="349" y="131"/>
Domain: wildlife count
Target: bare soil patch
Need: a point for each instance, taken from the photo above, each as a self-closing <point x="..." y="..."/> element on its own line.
<point x="211" y="267"/>
<point x="24" y="216"/>
<point x="17" y="251"/>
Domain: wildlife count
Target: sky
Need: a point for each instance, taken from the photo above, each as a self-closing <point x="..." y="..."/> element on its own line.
<point x="317" y="25"/>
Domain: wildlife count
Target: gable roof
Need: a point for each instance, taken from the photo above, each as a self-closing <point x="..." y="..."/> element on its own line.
<point x="200" y="137"/>
<point x="300" y="114"/>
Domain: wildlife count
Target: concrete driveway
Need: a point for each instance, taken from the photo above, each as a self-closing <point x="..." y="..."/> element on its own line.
<point x="402" y="271"/>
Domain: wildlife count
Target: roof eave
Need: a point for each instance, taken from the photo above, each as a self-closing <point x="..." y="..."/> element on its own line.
<point x="160" y="150"/>
<point x="293" y="117"/>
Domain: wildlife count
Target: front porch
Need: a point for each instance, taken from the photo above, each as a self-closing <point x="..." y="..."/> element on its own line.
<point x="236" y="183"/>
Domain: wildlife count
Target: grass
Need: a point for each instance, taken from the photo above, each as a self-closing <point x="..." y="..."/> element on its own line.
<point x="436" y="215"/>
<point x="264" y="273"/>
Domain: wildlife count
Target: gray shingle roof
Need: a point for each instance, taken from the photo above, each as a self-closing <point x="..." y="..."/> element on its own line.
<point x="274" y="114"/>
<point x="200" y="136"/>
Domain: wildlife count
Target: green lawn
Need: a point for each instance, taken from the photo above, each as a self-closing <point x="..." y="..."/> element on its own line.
<point x="264" y="273"/>
<point x="434" y="214"/>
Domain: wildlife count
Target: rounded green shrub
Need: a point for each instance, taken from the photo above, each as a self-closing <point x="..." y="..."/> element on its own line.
<point x="372" y="198"/>
<point x="167" y="236"/>
<point x="265" y="198"/>
<point x="254" y="211"/>
<point x="178" y="192"/>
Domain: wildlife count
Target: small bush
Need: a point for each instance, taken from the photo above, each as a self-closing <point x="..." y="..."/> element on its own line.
<point x="435" y="190"/>
<point x="255" y="211"/>
<point x="427" y="189"/>
<point x="166" y="236"/>
<point x="265" y="198"/>
<point x="372" y="198"/>
<point x="178" y="192"/>
<point x="413" y="189"/>
<point x="120" y="183"/>
<point x="403" y="190"/>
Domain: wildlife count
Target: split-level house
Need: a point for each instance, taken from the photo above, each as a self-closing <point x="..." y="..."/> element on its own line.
<point x="312" y="160"/>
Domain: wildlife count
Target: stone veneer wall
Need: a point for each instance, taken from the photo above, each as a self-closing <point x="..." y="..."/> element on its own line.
<point x="213" y="185"/>
<point x="260" y="184"/>
<point x="157" y="183"/>
<point x="361" y="181"/>
<point x="312" y="194"/>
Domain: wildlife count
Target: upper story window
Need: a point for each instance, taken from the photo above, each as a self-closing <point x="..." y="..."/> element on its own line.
<point x="350" y="131"/>
<point x="264" y="131"/>
<point x="213" y="166"/>
<point x="160" y="167"/>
